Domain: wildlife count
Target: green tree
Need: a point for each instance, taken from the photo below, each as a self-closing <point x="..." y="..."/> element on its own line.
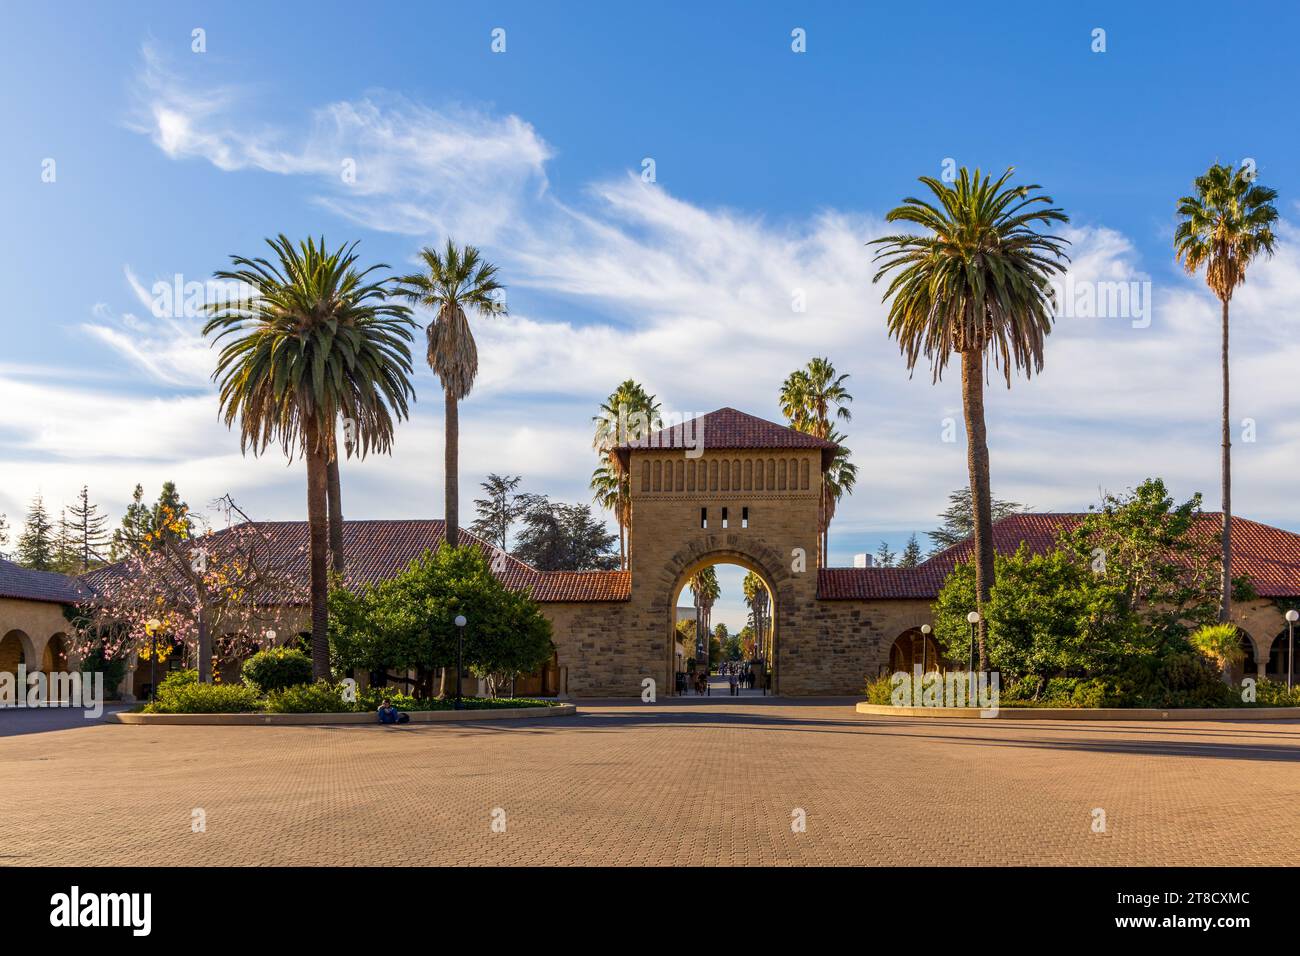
<point x="811" y="398"/>
<point x="498" y="510"/>
<point x="884" y="557"/>
<point x="408" y="621"/>
<point x="760" y="612"/>
<point x="976" y="283"/>
<point x="4" y="530"/>
<point x="319" y="341"/>
<point x="560" y="537"/>
<point x="37" y="545"/>
<point x="911" y="555"/>
<point x="87" y="528"/>
<point x="1223" y="227"/>
<point x="136" y="523"/>
<point x="705" y="590"/>
<point x="959" y="518"/>
<point x="452" y="283"/>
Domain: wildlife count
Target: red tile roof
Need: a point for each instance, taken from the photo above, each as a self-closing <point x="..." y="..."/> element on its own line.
<point x="377" y="550"/>
<point x="728" y="429"/>
<point x="1269" y="556"/>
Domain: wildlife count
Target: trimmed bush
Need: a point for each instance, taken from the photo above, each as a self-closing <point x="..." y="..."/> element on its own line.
<point x="177" y="679"/>
<point x="319" y="698"/>
<point x="195" y="698"/>
<point x="277" y="668"/>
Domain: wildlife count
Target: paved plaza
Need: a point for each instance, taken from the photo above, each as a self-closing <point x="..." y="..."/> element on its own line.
<point x="706" y="781"/>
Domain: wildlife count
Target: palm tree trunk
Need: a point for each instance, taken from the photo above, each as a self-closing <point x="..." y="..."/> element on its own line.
<point x="1225" y="607"/>
<point x="977" y="462"/>
<point x="451" y="466"/>
<point x="335" y="501"/>
<point x="317" y="500"/>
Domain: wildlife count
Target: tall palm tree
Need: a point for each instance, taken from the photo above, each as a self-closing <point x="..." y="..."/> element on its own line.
<point x="1226" y="224"/>
<point x="975" y="283"/>
<point x="808" y="396"/>
<point x="705" y="590"/>
<point x="455" y="281"/>
<point x="629" y="414"/>
<point x="318" y="338"/>
<point x="839" y="481"/>
<point x="756" y="597"/>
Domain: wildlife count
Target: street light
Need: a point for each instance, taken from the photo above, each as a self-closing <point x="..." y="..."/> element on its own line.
<point x="925" y="640"/>
<point x="1291" y="617"/>
<point x="460" y="656"/>
<point x="974" y="619"/>
<point x="151" y="628"/>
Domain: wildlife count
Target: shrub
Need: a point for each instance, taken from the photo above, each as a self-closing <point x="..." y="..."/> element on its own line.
<point x="195" y="698"/>
<point x="1221" y="643"/>
<point x="277" y="668"/>
<point x="319" y="698"/>
<point x="879" y="690"/>
<point x="370" y="699"/>
<point x="178" y="679"/>
<point x="1271" y="693"/>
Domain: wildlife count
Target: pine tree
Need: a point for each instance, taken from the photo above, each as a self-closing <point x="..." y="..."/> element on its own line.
<point x="499" y="510"/>
<point x="911" y="553"/>
<point x="66" y="558"/>
<point x="884" y="557"/>
<point x="87" y="531"/>
<point x="136" y="523"/>
<point x="4" y="530"/>
<point x="36" y="545"/>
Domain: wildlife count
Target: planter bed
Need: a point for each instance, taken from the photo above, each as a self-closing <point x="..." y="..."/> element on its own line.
<point x="1087" y="713"/>
<point x="417" y="717"/>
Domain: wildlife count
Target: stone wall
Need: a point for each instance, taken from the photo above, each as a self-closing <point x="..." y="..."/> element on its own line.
<point x="770" y="502"/>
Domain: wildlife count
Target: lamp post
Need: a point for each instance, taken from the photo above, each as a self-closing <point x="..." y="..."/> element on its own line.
<point x="1291" y="617"/>
<point x="151" y="628"/>
<point x="974" y="619"/>
<point x="925" y="641"/>
<point x="460" y="656"/>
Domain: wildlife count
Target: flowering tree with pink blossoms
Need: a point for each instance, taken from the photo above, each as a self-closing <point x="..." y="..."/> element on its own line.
<point x="196" y="584"/>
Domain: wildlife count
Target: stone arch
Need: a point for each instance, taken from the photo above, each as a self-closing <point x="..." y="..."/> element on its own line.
<point x="1254" y="659"/>
<point x="1275" y="664"/>
<point x="764" y="561"/>
<point x="17" y="648"/>
<point x="911" y="648"/>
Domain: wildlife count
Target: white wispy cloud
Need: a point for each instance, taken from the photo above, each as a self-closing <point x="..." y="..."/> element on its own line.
<point x="700" y="304"/>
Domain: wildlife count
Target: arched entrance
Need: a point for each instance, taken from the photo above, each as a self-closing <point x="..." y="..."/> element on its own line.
<point x="16" y="648"/>
<point x="913" y="648"/>
<point x="690" y="563"/>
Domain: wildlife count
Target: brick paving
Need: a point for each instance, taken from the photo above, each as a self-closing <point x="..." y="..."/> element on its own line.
<point x="681" y="782"/>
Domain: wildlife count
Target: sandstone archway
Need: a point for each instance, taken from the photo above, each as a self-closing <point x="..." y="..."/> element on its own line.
<point x="731" y="549"/>
<point x="17" y="648"/>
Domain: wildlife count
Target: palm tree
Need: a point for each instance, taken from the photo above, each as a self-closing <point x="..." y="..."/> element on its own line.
<point x="705" y="590"/>
<point x="976" y="283"/>
<point x="1224" y="226"/>
<point x="841" y="476"/>
<point x="807" y="397"/>
<point x="756" y="597"/>
<point x="453" y="282"/>
<point x="317" y="340"/>
<point x="629" y="414"/>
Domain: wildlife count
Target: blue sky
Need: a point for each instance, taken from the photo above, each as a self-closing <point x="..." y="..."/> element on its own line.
<point x="772" y="169"/>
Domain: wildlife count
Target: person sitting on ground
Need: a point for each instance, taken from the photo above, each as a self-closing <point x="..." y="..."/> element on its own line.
<point x="389" y="714"/>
